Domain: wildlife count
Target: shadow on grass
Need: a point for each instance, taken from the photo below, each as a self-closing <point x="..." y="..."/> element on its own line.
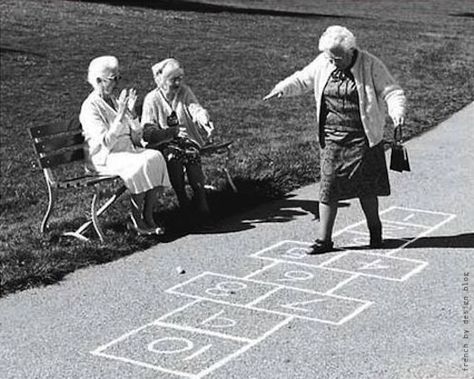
<point x="51" y="257"/>
<point x="463" y="14"/>
<point x="196" y="6"/>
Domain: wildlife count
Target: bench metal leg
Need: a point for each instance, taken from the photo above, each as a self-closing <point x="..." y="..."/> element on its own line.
<point x="95" y="221"/>
<point x="229" y="179"/>
<point x="95" y="215"/>
<point x="52" y="194"/>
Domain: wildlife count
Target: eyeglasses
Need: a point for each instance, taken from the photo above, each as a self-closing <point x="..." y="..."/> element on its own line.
<point x="334" y="59"/>
<point x="114" y="78"/>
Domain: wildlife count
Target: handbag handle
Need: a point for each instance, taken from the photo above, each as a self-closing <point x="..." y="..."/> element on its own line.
<point x="398" y="135"/>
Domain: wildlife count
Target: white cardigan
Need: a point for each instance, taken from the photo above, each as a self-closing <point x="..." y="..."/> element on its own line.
<point x="374" y="84"/>
<point x="99" y="125"/>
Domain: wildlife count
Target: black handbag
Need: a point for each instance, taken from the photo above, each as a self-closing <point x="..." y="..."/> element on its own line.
<point x="399" y="156"/>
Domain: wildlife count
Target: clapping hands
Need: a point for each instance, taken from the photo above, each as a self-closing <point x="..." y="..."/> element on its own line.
<point x="126" y="102"/>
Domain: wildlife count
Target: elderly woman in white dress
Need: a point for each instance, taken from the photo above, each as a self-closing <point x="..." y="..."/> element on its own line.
<point x="350" y="87"/>
<point x="173" y="119"/>
<point x="112" y="134"/>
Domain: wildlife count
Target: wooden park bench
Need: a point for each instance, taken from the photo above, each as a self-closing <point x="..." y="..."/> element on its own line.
<point x="61" y="144"/>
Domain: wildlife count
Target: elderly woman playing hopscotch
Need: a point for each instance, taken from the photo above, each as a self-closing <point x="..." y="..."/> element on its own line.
<point x="350" y="86"/>
<point x="112" y="134"/>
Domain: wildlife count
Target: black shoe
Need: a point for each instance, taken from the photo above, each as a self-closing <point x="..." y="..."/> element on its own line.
<point x="321" y="247"/>
<point x="376" y="243"/>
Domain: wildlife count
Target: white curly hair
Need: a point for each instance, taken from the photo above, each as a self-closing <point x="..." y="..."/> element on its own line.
<point x="337" y="36"/>
<point x="101" y="67"/>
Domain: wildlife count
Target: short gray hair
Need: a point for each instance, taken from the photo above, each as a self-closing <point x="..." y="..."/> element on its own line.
<point x="337" y="36"/>
<point x="100" y="67"/>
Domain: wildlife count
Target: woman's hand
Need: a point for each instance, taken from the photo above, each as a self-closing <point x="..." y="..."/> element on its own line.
<point x="132" y="100"/>
<point x="209" y="128"/>
<point x="122" y="102"/>
<point x="182" y="133"/>
<point x="398" y="121"/>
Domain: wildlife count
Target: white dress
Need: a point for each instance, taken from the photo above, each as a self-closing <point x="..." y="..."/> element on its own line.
<point x="116" y="153"/>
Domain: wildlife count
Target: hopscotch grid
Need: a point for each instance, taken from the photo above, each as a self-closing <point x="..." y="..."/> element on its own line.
<point x="345" y="253"/>
<point x="282" y="313"/>
<point x="270" y="284"/>
<point x="146" y="365"/>
<point x="192" y="329"/>
<point x="290" y="317"/>
<point x="242" y="350"/>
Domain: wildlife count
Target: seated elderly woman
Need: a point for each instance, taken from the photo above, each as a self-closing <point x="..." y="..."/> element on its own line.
<point x="174" y="121"/>
<point x="112" y="133"/>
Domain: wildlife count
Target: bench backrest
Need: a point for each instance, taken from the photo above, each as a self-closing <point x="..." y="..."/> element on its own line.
<point x="58" y="144"/>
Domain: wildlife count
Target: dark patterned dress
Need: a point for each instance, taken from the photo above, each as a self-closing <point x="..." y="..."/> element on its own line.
<point x="349" y="167"/>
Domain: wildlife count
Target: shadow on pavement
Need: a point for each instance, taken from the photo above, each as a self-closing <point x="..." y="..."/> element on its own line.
<point x="465" y="240"/>
<point x="460" y="241"/>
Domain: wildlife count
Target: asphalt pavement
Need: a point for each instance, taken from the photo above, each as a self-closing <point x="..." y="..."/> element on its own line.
<point x="245" y="301"/>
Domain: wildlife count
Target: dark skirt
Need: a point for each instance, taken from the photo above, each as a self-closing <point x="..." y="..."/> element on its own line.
<point x="351" y="169"/>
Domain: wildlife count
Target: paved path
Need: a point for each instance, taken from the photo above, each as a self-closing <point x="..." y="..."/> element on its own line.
<point x="251" y="304"/>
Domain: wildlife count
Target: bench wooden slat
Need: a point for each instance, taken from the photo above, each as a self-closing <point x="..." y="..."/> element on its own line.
<point x="54" y="160"/>
<point x="54" y="128"/>
<point x="47" y="145"/>
<point x="84" y="181"/>
<point x="215" y="148"/>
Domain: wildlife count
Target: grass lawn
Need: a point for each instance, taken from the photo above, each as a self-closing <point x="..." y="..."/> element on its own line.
<point x="232" y="59"/>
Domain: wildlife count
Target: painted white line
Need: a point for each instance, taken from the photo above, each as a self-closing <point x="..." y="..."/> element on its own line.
<point x="258" y="253"/>
<point x="358" y="232"/>
<point x="394" y="251"/>
<point x="341" y="284"/>
<point x="274" y="263"/>
<point x="121" y="338"/>
<point x="355" y="313"/>
<point x="171" y="290"/>
<point x="335" y="258"/>
<point x="202" y="331"/>
<point x="147" y="365"/>
<point x="177" y="310"/>
<point x="343" y="230"/>
<point x="385" y="222"/>
<point x="222" y="362"/>
<point x="420" y="211"/>
<point x="415" y="271"/>
<point x="409" y="217"/>
<point x="259" y="299"/>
